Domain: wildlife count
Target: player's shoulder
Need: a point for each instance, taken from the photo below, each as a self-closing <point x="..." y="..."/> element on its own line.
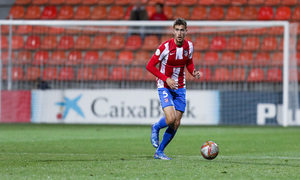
<point x="188" y="42"/>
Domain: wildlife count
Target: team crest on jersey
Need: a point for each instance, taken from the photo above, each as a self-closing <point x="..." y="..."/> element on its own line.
<point x="166" y="100"/>
<point x="157" y="52"/>
<point x="186" y="53"/>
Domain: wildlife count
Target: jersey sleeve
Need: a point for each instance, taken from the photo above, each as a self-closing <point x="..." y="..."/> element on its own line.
<point x="155" y="59"/>
<point x="190" y="64"/>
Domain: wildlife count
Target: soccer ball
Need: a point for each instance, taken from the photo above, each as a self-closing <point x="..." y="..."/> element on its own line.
<point x="209" y="150"/>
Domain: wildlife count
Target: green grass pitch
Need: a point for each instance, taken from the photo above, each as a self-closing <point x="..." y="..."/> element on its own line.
<point x="29" y="151"/>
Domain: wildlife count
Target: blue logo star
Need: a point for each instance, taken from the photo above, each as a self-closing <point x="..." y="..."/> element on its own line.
<point x="71" y="104"/>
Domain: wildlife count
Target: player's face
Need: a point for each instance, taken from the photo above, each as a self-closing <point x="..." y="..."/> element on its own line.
<point x="179" y="34"/>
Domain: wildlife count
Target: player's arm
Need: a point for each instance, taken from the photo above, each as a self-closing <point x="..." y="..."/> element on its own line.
<point x="151" y="67"/>
<point x="191" y="69"/>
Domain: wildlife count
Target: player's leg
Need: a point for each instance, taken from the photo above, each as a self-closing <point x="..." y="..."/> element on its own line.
<point x="166" y="100"/>
<point x="170" y="131"/>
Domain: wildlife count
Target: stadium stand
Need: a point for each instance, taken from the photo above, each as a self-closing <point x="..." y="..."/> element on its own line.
<point x="223" y="53"/>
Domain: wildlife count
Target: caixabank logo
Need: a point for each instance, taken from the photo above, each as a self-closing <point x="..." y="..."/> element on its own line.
<point x="69" y="105"/>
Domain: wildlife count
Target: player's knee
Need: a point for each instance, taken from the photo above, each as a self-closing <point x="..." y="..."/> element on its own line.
<point x="170" y="120"/>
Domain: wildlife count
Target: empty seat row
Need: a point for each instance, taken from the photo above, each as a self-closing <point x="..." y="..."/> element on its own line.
<point x="239" y="75"/>
<point x="134" y="42"/>
<point x="67" y="12"/>
<point x="209" y="58"/>
<point x="167" y="2"/>
<point x="220" y="74"/>
<point x="86" y="73"/>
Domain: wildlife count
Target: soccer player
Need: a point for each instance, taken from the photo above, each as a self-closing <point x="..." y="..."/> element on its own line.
<point x="172" y="56"/>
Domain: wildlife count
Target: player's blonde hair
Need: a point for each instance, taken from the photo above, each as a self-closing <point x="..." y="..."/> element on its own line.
<point x="180" y="21"/>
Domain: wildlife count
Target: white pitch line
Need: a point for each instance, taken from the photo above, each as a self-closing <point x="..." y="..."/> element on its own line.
<point x="178" y="156"/>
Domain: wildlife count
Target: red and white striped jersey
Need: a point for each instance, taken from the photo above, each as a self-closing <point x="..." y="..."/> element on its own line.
<point x="172" y="60"/>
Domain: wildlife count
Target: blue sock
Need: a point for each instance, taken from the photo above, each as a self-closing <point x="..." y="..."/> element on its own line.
<point x="160" y="124"/>
<point x="168" y="136"/>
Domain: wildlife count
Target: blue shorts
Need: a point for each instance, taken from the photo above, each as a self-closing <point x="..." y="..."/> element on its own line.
<point x="170" y="97"/>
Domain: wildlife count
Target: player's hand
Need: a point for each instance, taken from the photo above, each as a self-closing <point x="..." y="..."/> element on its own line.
<point x="171" y="83"/>
<point x="197" y="74"/>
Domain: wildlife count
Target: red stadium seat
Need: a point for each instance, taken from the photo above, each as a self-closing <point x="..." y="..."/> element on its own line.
<point x="49" y="12"/>
<point x="222" y="2"/>
<point x="283" y="13"/>
<point x="256" y="2"/>
<point x="22" y="2"/>
<point x="99" y="42"/>
<point x="66" y="74"/>
<point x="57" y="2"/>
<point x="99" y="13"/>
<point x="153" y="2"/>
<point x="272" y="2"/>
<point x="85" y="74"/>
<point x="289" y="2"/>
<point x="197" y="58"/>
<point x="136" y="74"/>
<point x="216" y="13"/>
<point x="201" y="43"/>
<point x="49" y="42"/>
<point x="17" y="42"/>
<point x="206" y="2"/>
<point x="17" y="12"/>
<point x="83" y="42"/>
<point x="211" y="58"/>
<point x="5" y="57"/>
<point x="269" y="44"/>
<point x="238" y="75"/>
<point x="274" y="75"/>
<point x="189" y="2"/>
<point x="141" y="58"/>
<point x="33" y="12"/>
<point x="168" y="10"/>
<point x="251" y="43"/>
<point x="125" y="58"/>
<point x="4" y="42"/>
<point x="133" y="42"/>
<point x="24" y="29"/>
<point x="23" y="57"/>
<point x="150" y="10"/>
<point x="250" y="13"/>
<point x="259" y="31"/>
<point x="218" y="43"/>
<point x="234" y="43"/>
<point x="33" y="42"/>
<point x="33" y="73"/>
<point x="116" y="42"/>
<point x="256" y="75"/>
<point x="228" y="58"/>
<point x="277" y="59"/>
<point x="206" y="74"/>
<point x="150" y="42"/>
<point x="74" y="58"/>
<point x="115" y="13"/>
<point x="296" y="14"/>
<point x="82" y="13"/>
<point x="245" y="58"/>
<point x="40" y="2"/>
<point x="66" y="12"/>
<point x="262" y="58"/>
<point x="101" y="73"/>
<point x="17" y="73"/>
<point x="233" y="13"/>
<point x="66" y="42"/>
<point x="149" y="76"/>
<point x="50" y="73"/>
<point x="108" y="57"/>
<point x="40" y="29"/>
<point x="265" y="13"/>
<point x="182" y="12"/>
<point x="57" y="58"/>
<point x="73" y="2"/>
<point x="221" y="74"/>
<point x="118" y="74"/>
<point x="40" y="57"/>
<point x="276" y="30"/>
<point x="122" y="2"/>
<point x="91" y="57"/>
<point x="198" y="13"/>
